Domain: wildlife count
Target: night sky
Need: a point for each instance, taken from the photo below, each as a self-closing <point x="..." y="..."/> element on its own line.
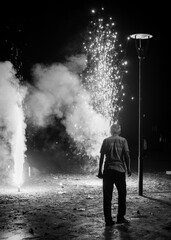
<point x="47" y="33"/>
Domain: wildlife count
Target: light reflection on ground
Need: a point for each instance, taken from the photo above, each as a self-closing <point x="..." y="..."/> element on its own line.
<point x="17" y="235"/>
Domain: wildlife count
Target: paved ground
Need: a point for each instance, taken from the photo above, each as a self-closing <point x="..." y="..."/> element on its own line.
<point x="53" y="207"/>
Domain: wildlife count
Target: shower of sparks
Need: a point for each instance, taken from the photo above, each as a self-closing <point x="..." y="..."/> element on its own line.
<point x="106" y="66"/>
<point x="102" y="79"/>
<point x="12" y="120"/>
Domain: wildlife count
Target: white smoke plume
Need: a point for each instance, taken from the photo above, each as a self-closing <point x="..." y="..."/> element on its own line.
<point x="58" y="91"/>
<point x="12" y="121"/>
<point x="76" y="63"/>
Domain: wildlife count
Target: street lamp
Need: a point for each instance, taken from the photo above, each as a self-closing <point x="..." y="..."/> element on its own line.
<point x="139" y="37"/>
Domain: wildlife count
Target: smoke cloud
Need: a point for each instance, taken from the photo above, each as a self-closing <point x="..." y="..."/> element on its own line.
<point x="58" y="91"/>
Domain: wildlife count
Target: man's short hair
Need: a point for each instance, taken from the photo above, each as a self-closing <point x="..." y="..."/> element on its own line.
<point x="115" y="129"/>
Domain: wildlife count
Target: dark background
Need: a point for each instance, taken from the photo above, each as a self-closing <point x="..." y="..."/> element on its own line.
<point x="48" y="32"/>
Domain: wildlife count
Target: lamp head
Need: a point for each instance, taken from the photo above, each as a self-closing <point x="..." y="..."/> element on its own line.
<point x="141" y="36"/>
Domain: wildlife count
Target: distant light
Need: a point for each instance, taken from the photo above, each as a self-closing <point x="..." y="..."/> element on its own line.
<point x="132" y="98"/>
<point x="93" y="11"/>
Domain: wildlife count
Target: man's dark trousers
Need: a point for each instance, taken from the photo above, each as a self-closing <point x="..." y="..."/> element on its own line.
<point x="111" y="178"/>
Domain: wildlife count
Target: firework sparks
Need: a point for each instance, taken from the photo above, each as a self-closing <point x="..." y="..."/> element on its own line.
<point x="105" y="68"/>
<point x="86" y="97"/>
<point x="12" y="121"/>
<point x="102" y="79"/>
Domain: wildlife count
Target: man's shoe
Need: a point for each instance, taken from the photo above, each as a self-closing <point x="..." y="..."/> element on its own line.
<point x="110" y="224"/>
<point x="122" y="220"/>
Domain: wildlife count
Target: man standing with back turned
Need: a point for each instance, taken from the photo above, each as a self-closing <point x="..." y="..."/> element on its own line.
<point x="117" y="163"/>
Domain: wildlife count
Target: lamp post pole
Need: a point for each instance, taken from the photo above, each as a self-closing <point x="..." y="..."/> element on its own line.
<point x="140" y="50"/>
